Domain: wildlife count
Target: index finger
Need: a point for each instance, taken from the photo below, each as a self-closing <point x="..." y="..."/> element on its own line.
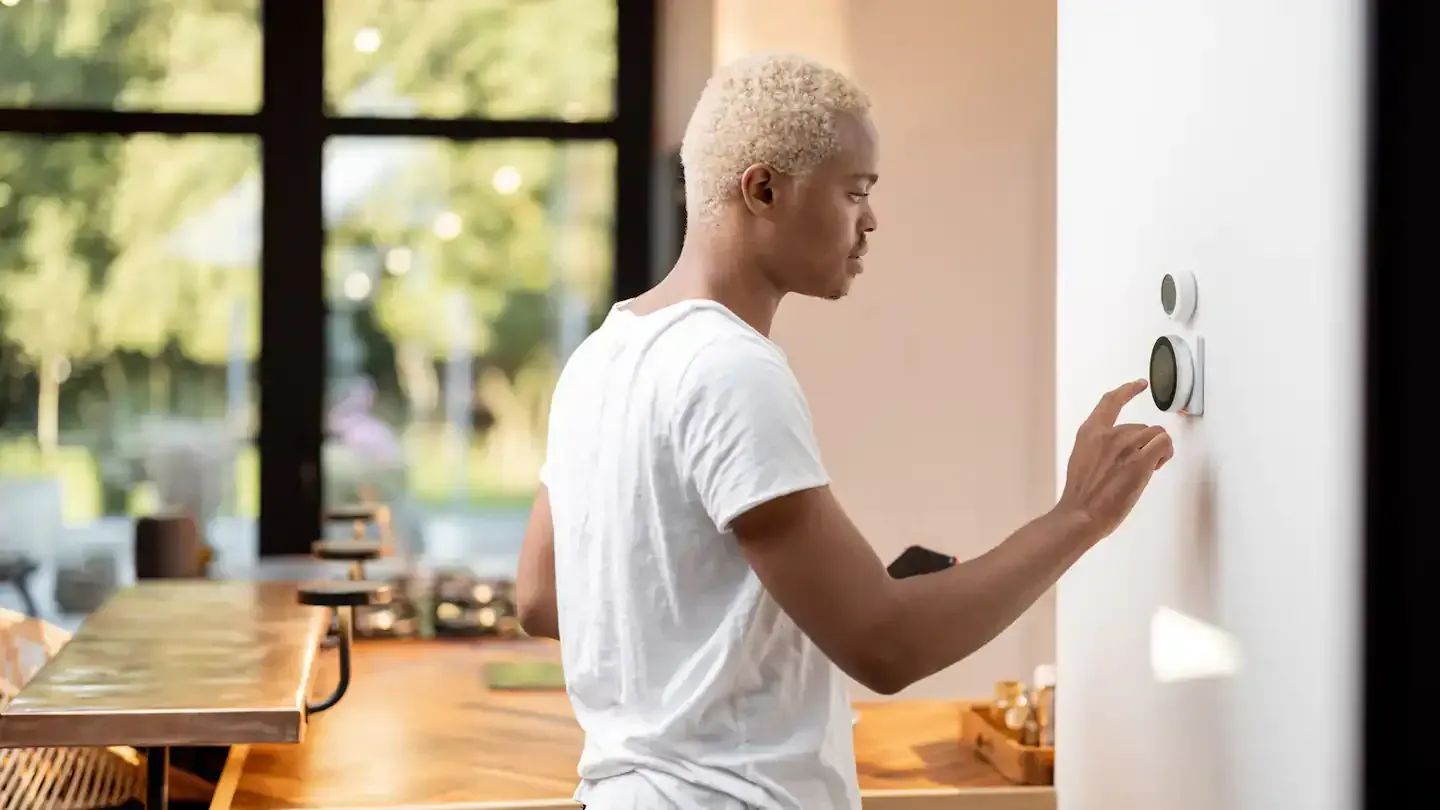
<point x="1114" y="401"/>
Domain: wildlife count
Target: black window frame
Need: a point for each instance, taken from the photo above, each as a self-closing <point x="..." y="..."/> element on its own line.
<point x="292" y="126"/>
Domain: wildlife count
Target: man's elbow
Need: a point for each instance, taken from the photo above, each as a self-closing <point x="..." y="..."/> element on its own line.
<point x="883" y="674"/>
<point x="887" y="684"/>
<point x="537" y="616"/>
<point x="878" y="658"/>
<point x="887" y="656"/>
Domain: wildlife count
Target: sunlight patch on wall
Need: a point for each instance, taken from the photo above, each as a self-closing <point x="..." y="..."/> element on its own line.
<point x="1184" y="648"/>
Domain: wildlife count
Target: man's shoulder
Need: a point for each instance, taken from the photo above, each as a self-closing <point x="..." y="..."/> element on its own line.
<point x="712" y="325"/>
<point x="709" y="341"/>
<point x="696" y="349"/>
<point x="732" y="357"/>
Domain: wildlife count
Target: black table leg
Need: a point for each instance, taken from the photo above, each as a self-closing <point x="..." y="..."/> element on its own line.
<point x="157" y="779"/>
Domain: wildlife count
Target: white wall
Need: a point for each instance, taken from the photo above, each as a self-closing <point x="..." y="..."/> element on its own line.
<point x="1222" y="136"/>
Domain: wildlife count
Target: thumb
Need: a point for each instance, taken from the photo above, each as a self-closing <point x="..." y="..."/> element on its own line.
<point x="1157" y="452"/>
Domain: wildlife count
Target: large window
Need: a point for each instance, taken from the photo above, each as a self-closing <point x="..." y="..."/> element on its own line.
<point x="257" y="256"/>
<point x="459" y="278"/>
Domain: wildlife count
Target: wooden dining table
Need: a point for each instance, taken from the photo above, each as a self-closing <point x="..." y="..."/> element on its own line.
<point x="420" y="730"/>
<point x="175" y="663"/>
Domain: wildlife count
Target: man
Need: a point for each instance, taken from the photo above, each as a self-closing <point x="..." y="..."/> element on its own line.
<point x="707" y="588"/>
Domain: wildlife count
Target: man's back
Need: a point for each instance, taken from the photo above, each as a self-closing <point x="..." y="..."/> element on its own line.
<point x="694" y="689"/>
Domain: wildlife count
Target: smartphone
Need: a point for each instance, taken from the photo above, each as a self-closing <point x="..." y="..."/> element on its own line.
<point x="917" y="560"/>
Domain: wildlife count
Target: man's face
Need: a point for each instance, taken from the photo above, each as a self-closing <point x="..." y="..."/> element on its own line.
<point x="824" y="228"/>
<point x="811" y="229"/>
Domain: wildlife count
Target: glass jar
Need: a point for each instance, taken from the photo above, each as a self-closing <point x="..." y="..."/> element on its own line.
<point x="1010" y="703"/>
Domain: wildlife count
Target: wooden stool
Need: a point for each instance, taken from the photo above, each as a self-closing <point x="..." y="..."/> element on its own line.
<point x="342" y="596"/>
<point x="355" y="552"/>
<point x="361" y="516"/>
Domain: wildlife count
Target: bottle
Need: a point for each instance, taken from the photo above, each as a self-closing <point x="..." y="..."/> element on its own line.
<point x="1007" y="711"/>
<point x="1045" y="704"/>
<point x="1030" y="727"/>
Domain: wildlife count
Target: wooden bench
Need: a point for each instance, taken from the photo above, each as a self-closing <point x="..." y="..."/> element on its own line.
<point x="421" y="731"/>
<point x="180" y="663"/>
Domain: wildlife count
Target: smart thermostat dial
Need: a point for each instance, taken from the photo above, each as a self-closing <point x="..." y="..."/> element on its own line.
<point x="1177" y="375"/>
<point x="1177" y="295"/>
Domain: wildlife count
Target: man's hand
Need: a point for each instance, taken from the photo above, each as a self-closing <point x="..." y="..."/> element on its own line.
<point x="1112" y="464"/>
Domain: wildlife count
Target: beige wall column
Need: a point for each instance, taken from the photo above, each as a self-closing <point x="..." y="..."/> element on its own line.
<point x="817" y="28"/>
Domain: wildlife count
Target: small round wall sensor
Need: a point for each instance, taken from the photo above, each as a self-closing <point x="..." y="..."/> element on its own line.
<point x="1177" y="295"/>
<point x="1177" y="375"/>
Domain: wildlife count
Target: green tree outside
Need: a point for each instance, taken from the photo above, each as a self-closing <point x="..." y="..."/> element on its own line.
<point x="108" y="318"/>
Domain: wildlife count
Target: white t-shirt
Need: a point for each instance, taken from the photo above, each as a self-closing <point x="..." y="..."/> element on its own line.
<point x="694" y="689"/>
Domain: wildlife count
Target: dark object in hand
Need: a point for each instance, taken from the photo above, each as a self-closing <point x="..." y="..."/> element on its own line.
<point x="917" y="560"/>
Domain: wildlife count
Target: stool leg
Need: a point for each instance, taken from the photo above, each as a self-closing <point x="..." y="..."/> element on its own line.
<point x="346" y="615"/>
<point x="157" y="779"/>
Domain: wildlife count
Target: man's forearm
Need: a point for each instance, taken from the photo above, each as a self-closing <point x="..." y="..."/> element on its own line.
<point x="939" y="619"/>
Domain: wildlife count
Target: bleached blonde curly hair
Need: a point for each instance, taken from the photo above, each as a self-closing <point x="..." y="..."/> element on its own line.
<point x="773" y="108"/>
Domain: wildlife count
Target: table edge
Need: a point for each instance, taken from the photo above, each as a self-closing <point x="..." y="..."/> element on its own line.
<point x="75" y="727"/>
<point x="145" y="728"/>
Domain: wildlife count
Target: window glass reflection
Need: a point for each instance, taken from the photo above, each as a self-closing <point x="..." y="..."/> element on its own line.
<point x="151" y="55"/>
<point x="460" y="277"/>
<point x="128" y="334"/>
<point x="471" y="58"/>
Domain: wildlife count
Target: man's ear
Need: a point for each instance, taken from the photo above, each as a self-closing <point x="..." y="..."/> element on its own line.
<point x="757" y="189"/>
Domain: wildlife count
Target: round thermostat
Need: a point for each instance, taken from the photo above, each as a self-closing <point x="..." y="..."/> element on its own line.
<point x="1172" y="373"/>
<point x="1178" y="292"/>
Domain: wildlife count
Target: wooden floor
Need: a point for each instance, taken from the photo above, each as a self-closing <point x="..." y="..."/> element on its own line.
<point x="419" y="729"/>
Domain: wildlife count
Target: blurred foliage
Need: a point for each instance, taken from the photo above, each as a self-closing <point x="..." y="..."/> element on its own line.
<point x="480" y="58"/>
<point x="124" y="260"/>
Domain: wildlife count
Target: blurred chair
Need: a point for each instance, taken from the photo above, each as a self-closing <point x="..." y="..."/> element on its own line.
<point x="15" y="571"/>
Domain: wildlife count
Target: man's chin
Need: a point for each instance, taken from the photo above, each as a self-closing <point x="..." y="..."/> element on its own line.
<point x="836" y="290"/>
<point x="842" y="290"/>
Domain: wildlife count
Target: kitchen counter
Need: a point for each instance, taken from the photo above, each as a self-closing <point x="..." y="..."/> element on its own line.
<point x="419" y="729"/>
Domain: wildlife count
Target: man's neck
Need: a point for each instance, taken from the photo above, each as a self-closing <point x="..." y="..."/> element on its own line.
<point x="715" y="269"/>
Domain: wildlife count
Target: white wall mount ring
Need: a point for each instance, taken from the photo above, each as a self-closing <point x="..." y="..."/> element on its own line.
<point x="1177" y="375"/>
<point x="1178" y="294"/>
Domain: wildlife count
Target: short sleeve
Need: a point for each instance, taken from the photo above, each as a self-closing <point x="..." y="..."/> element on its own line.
<point x="743" y="429"/>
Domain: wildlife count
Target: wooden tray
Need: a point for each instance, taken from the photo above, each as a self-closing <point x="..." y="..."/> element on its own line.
<point x="1021" y="764"/>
